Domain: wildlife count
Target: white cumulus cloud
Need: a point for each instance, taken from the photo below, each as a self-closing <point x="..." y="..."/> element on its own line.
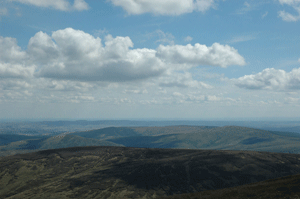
<point x="215" y="55"/>
<point x="82" y="57"/>
<point x="10" y="51"/>
<point x="42" y="48"/>
<point x="8" y="70"/>
<point x="75" y="55"/>
<point x="80" y="5"/>
<point x="271" y="79"/>
<point x="166" y="7"/>
<point x="181" y="80"/>
<point x="73" y="60"/>
<point x="12" y="60"/>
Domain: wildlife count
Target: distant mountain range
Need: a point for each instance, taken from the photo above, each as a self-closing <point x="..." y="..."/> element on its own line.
<point x="181" y="137"/>
<point x="57" y="127"/>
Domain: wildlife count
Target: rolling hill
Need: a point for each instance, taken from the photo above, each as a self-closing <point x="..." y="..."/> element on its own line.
<point x="225" y="138"/>
<point x="181" y="137"/>
<point x="8" y="138"/>
<point x="107" y="133"/>
<point x="55" y="142"/>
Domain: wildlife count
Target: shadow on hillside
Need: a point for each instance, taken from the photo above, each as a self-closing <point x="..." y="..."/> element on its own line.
<point x="192" y="171"/>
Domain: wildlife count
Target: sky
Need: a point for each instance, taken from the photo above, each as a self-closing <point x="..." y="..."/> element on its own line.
<point x="142" y="59"/>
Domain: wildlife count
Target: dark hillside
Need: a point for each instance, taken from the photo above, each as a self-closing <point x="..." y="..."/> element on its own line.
<point x="284" y="188"/>
<point x="119" y="172"/>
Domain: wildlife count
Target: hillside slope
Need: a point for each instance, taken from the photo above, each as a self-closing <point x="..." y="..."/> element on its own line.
<point x="120" y="172"/>
<point x="284" y="188"/>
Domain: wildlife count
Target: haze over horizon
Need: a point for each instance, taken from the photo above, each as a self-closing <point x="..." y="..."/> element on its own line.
<point x="125" y="59"/>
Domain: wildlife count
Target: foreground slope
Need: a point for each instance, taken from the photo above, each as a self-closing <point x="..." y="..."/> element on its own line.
<point x="120" y="172"/>
<point x="284" y="188"/>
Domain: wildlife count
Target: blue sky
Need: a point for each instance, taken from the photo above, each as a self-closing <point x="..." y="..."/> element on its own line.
<point x="139" y="59"/>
